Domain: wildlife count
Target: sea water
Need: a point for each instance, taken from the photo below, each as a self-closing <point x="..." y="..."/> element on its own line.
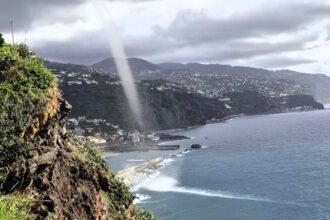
<point x="255" y="167"/>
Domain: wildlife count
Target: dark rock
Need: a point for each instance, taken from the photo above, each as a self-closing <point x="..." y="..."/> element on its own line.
<point x="65" y="108"/>
<point x="196" y="146"/>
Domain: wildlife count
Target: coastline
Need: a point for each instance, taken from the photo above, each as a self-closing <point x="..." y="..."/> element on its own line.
<point x="151" y="145"/>
<point x="136" y="174"/>
<point x="113" y="150"/>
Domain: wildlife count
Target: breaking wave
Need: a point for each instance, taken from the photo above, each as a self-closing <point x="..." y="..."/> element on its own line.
<point x="168" y="184"/>
<point x="140" y="198"/>
<point x="135" y="160"/>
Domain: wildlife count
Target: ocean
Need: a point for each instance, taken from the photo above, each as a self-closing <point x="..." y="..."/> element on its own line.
<point x="267" y="167"/>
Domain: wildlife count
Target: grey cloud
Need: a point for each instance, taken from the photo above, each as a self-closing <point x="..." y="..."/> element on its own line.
<point x="281" y="62"/>
<point x="84" y="48"/>
<point x="216" y="50"/>
<point x="87" y="48"/>
<point x="197" y="37"/>
<point x="245" y="51"/>
<point x="25" y="12"/>
<point x="190" y="27"/>
<point x="196" y="31"/>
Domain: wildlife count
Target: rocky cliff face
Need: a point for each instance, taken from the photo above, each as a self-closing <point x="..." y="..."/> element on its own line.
<point x="249" y="102"/>
<point x="167" y="109"/>
<point x="45" y="172"/>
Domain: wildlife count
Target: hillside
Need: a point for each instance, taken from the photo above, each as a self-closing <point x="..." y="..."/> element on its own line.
<point x="46" y="173"/>
<point x="214" y="79"/>
<point x="101" y="108"/>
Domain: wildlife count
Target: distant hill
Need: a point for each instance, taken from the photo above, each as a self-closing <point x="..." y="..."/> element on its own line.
<point x="136" y="64"/>
<point x="214" y="68"/>
<point x="216" y="79"/>
<point x="317" y="85"/>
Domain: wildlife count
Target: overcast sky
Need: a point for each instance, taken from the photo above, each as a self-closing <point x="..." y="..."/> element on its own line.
<point x="278" y="34"/>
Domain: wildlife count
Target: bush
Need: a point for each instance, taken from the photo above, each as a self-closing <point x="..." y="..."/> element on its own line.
<point x="2" y="41"/>
<point x="8" y="56"/>
<point x="23" y="50"/>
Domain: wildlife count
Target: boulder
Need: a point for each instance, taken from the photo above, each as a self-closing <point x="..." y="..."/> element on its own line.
<point x="196" y="146"/>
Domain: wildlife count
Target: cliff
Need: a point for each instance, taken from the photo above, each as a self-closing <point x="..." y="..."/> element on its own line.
<point x="164" y="106"/>
<point x="249" y="102"/>
<point x="45" y="172"/>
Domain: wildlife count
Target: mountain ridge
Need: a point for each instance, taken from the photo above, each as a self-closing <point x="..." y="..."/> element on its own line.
<point x="317" y="85"/>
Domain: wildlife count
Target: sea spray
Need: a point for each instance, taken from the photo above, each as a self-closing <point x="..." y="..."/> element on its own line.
<point x="121" y="62"/>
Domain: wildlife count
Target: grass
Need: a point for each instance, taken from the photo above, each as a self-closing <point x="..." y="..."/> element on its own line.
<point x="15" y="207"/>
<point x="139" y="214"/>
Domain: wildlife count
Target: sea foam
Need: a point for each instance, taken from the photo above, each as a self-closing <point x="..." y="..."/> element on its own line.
<point x="162" y="183"/>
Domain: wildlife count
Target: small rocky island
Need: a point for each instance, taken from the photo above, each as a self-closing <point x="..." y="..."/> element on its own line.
<point x="196" y="146"/>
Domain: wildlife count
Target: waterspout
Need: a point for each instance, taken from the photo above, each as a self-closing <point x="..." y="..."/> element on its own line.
<point x="122" y="65"/>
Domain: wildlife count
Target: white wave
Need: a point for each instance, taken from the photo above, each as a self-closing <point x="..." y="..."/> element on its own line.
<point x="141" y="175"/>
<point x="168" y="184"/>
<point x="205" y="146"/>
<point x="186" y="151"/>
<point x="140" y="198"/>
<point x="166" y="143"/>
<point x="167" y="162"/>
<point x="135" y="160"/>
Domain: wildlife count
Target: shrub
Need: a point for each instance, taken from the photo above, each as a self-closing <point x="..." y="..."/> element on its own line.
<point x="23" y="50"/>
<point x="8" y="56"/>
<point x="2" y="41"/>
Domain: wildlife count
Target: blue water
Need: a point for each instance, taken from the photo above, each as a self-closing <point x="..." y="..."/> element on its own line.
<point x="257" y="167"/>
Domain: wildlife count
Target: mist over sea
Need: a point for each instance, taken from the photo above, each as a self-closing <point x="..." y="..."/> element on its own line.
<point x="256" y="167"/>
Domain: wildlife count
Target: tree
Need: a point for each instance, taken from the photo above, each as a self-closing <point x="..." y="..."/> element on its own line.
<point x="2" y="41"/>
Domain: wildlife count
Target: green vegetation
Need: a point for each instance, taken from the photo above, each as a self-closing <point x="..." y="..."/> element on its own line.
<point x="86" y="154"/>
<point x="23" y="50"/>
<point x="138" y="213"/>
<point x="143" y="215"/>
<point x="24" y="92"/>
<point x="15" y="207"/>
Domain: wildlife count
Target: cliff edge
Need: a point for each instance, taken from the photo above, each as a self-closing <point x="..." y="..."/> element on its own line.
<point x="45" y="172"/>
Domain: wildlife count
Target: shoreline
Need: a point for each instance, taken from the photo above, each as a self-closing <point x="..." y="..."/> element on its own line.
<point x="151" y="145"/>
<point x="136" y="174"/>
